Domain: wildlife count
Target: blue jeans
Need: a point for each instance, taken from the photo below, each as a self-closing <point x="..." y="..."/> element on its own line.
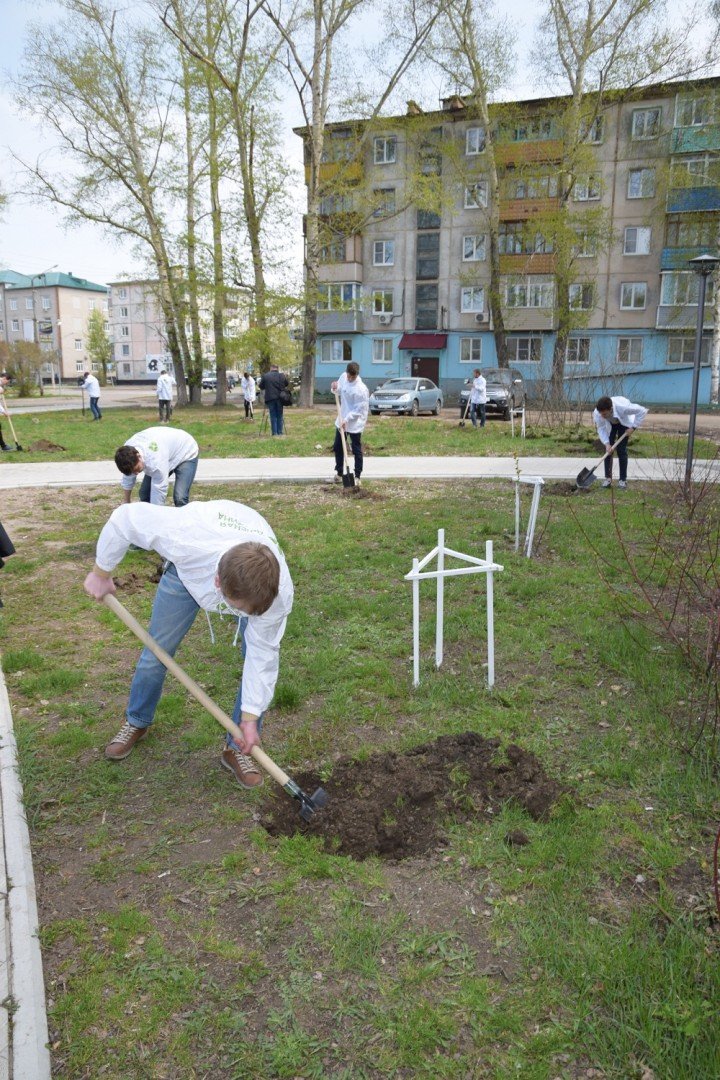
<point x="356" y="444"/>
<point x="475" y="408"/>
<point x="275" y="412"/>
<point x="173" y="613"/>
<point x="617" y="430"/>
<point x="184" y="475"/>
<point x="95" y="408"/>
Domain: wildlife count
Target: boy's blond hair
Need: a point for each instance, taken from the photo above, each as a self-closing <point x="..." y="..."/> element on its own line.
<point x="249" y="576"/>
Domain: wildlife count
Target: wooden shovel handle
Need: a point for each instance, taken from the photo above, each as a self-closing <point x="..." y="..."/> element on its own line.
<point x="342" y="434"/>
<point x="192" y="687"/>
<point x="614" y="447"/>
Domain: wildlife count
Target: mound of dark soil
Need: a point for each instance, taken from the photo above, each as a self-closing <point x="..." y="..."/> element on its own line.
<point x="45" y="445"/>
<point x="395" y="805"/>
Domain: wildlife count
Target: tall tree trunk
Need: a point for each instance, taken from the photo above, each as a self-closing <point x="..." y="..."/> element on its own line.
<point x="196" y="363"/>
<point x="217" y="245"/>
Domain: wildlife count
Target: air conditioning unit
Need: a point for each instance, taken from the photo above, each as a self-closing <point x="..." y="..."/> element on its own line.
<point x="482" y="317"/>
<point x="385" y="320"/>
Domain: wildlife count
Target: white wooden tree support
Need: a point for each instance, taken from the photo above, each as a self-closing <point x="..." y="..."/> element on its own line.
<point x="475" y="566"/>
<point x="537" y="482"/>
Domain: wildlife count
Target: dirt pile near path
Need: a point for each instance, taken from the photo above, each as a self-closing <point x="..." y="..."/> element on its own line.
<point x="396" y="805"/>
<point x="43" y="445"/>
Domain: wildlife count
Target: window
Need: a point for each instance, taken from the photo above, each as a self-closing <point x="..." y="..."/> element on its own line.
<point x="382" y="350"/>
<point x="126" y="369"/>
<point x="382" y="301"/>
<point x="641" y="184"/>
<point x="692" y="233"/>
<point x="532" y="130"/>
<point x="581" y="297"/>
<point x="78" y="344"/>
<point x="122" y="294"/>
<point x="428" y="256"/>
<point x="123" y="313"/>
<point x="586" y="189"/>
<point x="338" y="145"/>
<point x="514" y="238"/>
<point x="595" y="131"/>
<point x="528" y="293"/>
<point x="384" y="149"/>
<point x="124" y="331"/>
<point x="681" y="350"/>
<point x="334" y="252"/>
<point x="335" y="204"/>
<point x="681" y="288"/>
<point x="522" y="350"/>
<point x="646" y="123"/>
<point x="532" y="187"/>
<point x="633" y="295"/>
<point x="337" y="297"/>
<point x="13" y="305"/>
<point x="474" y="140"/>
<point x="430" y="156"/>
<point x="693" y="111"/>
<point x="427" y="219"/>
<point x="335" y="351"/>
<point x="630" y="350"/>
<point x="80" y="367"/>
<point x="472" y="298"/>
<point x="125" y="350"/>
<point x="384" y="199"/>
<point x="15" y="324"/>
<point x="586" y="246"/>
<point x="476" y="195"/>
<point x="637" y="240"/>
<point x="28" y="303"/>
<point x="578" y="350"/>
<point x="46" y="303"/>
<point x="699" y="171"/>
<point x="473" y="248"/>
<point x="383" y="252"/>
<point x="91" y="305"/>
<point x="426" y="305"/>
<point x="470" y="350"/>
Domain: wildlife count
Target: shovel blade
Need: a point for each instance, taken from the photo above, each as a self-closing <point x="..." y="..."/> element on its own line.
<point x="348" y="480"/>
<point x="585" y="478"/>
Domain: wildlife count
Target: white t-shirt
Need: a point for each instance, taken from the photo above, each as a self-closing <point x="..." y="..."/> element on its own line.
<point x="162" y="450"/>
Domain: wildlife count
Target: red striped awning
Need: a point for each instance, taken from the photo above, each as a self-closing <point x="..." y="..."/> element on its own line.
<point x="423" y="341"/>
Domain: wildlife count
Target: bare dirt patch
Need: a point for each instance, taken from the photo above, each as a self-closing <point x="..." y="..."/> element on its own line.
<point x="396" y="805"/>
<point x="44" y="446"/>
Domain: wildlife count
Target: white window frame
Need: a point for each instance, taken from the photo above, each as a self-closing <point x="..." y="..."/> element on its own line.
<point x="637" y="289"/>
<point x="45" y="303"/>
<point x="385" y="149"/>
<point x="640" y="243"/>
<point x="122" y="294"/>
<point x="15" y="325"/>
<point x="337" y="345"/>
<point x="682" y="101"/>
<point x="687" y="354"/>
<point x="683" y="289"/>
<point x="476" y="195"/>
<point x="384" y="343"/>
<point x="29" y="303"/>
<point x="631" y="345"/>
<point x="639" y="123"/>
<point x="472" y="348"/>
<point x="78" y="344"/>
<point x="474" y="141"/>
<point x="389" y="202"/>
<point x="91" y="305"/>
<point x="381" y="298"/>
<point x="575" y="345"/>
<point x="475" y="250"/>
<point x="586" y="246"/>
<point x="581" y="290"/>
<point x="530" y="293"/>
<point x="13" y="305"/>
<point x="642" y="172"/>
<point x="472" y="299"/>
<point x="79" y="367"/>
<point x="384" y="248"/>
<point x="595" y="133"/>
<point x="587" y="188"/>
<point x="124" y="331"/>
<point x="125" y="350"/>
<point x="513" y="343"/>
<point x="123" y="312"/>
<point x="339" y="302"/>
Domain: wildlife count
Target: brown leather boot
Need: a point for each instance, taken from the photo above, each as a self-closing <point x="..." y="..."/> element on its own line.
<point x="122" y="745"/>
<point x="243" y="768"/>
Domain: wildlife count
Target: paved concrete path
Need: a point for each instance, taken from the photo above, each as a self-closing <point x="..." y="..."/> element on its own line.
<point x="15" y="474"/>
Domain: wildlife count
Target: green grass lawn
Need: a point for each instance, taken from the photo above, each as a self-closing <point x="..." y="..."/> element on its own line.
<point x="180" y="940"/>
<point x="221" y="431"/>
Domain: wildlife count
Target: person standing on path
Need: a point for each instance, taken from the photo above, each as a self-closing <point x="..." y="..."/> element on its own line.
<point x="93" y="390"/>
<point x="613" y="416"/>
<point x="249" y="393"/>
<point x="218" y="556"/>
<point x="354" y="402"/>
<point x="478" y="398"/>
<point x="159" y="453"/>
<point x="4" y="380"/>
<point x="164" y="391"/>
<point x="272" y="384"/>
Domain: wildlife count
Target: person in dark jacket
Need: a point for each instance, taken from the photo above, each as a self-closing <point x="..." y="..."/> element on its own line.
<point x="7" y="548"/>
<point x="272" y="384"/>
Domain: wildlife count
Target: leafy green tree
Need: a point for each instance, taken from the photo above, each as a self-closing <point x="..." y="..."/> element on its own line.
<point x="99" y="348"/>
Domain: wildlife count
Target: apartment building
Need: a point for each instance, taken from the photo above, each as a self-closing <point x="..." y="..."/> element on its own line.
<point x="138" y="329"/>
<point x="407" y="292"/>
<point x="51" y="309"/>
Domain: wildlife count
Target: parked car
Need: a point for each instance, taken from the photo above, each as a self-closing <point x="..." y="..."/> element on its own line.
<point x="411" y="396"/>
<point x="505" y="392"/>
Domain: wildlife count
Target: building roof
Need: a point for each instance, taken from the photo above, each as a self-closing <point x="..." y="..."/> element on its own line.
<point x="12" y="280"/>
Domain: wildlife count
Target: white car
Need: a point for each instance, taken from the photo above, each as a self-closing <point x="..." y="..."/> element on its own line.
<point x="410" y="395"/>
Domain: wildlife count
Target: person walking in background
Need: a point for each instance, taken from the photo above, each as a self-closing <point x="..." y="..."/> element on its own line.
<point x="613" y="416"/>
<point x="159" y="454"/>
<point x="218" y="556"/>
<point x="164" y="391"/>
<point x="478" y="398"/>
<point x="4" y="380"/>
<point x="274" y="385"/>
<point x="93" y="391"/>
<point x="354" y="400"/>
<point x="7" y="547"/>
<point x="249" y="393"/>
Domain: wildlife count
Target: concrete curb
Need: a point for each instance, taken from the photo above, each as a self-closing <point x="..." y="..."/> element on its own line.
<point x="24" y="1052"/>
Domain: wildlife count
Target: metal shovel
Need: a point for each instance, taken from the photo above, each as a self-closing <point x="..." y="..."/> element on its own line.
<point x="308" y="803"/>
<point x="464" y="416"/>
<point x="348" y="477"/>
<point x="586" y="477"/>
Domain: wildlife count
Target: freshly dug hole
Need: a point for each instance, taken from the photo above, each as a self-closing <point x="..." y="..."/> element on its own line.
<point x="395" y="805"/>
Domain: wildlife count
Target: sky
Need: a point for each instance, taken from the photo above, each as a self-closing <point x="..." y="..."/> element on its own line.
<point x="32" y="237"/>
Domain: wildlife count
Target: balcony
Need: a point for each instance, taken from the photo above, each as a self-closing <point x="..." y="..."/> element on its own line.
<point x="343" y="172"/>
<point x="693" y="140"/>
<point x="338" y="272"/>
<point x="339" y="322"/>
<point x="689" y="200"/>
<point x="522" y="209"/>
<point x="528" y="152"/>
<point x="676" y="258"/>
<point x="536" y="263"/>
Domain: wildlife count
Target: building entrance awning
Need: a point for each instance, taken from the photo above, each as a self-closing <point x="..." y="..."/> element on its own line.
<point x="423" y="341"/>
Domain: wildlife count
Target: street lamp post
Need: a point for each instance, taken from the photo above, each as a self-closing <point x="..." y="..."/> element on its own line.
<point x="703" y="266"/>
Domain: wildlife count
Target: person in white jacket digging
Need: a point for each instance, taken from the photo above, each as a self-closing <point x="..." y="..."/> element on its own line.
<point x="613" y="416"/>
<point x="354" y="403"/>
<point x="159" y="453"/>
<point x="220" y="556"/>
